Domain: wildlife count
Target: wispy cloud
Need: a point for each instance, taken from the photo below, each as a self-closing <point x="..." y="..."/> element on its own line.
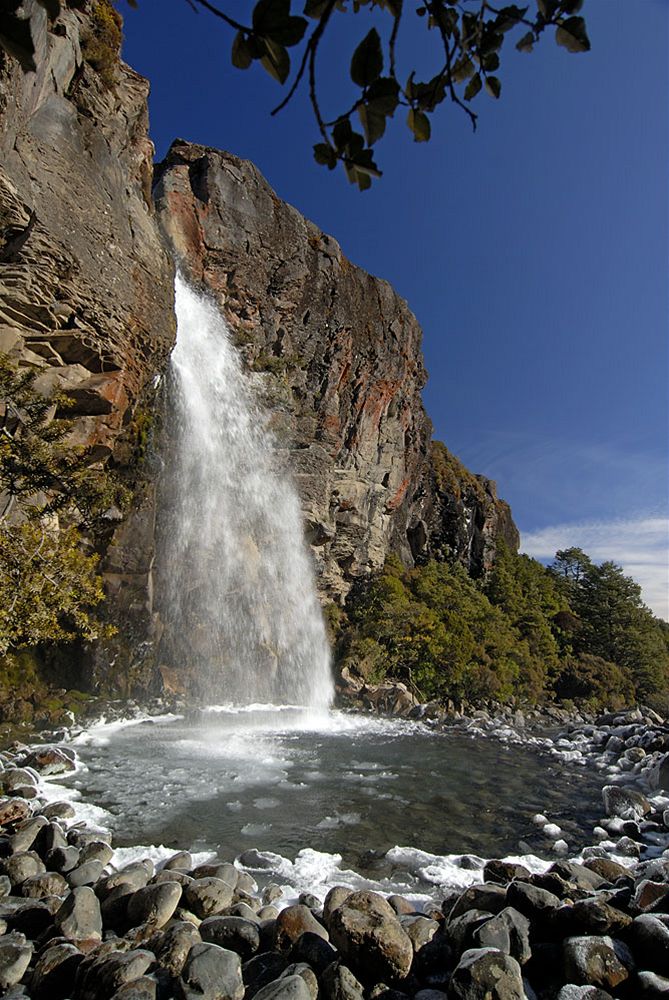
<point x="639" y="545"/>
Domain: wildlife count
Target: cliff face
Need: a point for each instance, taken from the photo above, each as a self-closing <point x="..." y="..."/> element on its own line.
<point x="343" y="372"/>
<point x="86" y="299"/>
<point x="86" y="284"/>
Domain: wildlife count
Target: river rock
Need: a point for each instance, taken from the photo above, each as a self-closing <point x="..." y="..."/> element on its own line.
<point x="96" y="850"/>
<point x="22" y="866"/>
<point x="144" y="988"/>
<point x="100" y="976"/>
<point x="434" y="963"/>
<point x="15" y="955"/>
<point x="55" y="972"/>
<point x="239" y="935"/>
<point x="86" y="873"/>
<point x="591" y="916"/>
<point x="507" y="931"/>
<point x="502" y="872"/>
<point x="626" y="803"/>
<point x="649" y="938"/>
<point x="172" y="946"/>
<point x="288" y="987"/>
<point x="260" y="970"/>
<point x="49" y="760"/>
<point x="486" y="974"/>
<point x="135" y="876"/>
<point x="306" y="973"/>
<point x="369" y="937"/>
<point x="154" y="904"/>
<point x="26" y="832"/>
<point x="292" y="923"/>
<point x="15" y="778"/>
<point x="33" y="919"/>
<point x="314" y="950"/>
<point x="79" y="918"/>
<point x="649" y="895"/>
<point x="210" y="973"/>
<point x="62" y="859"/>
<point x="44" y="884"/>
<point x="58" y="810"/>
<point x="182" y="861"/>
<point x="421" y="930"/>
<point x="207" y="896"/>
<point x="488" y="897"/>
<point x="535" y="903"/>
<point x="339" y="983"/>
<point x="652" y="987"/>
<point x="607" y="868"/>
<point x="335" y="897"/>
<point x="572" y="992"/>
<point x="595" y="961"/>
<point x="13" y="808"/>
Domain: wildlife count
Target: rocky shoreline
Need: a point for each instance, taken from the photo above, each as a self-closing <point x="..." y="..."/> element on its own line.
<point x="76" y="923"/>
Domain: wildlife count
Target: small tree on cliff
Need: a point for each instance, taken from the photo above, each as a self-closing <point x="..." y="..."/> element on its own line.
<point x="49" y="495"/>
<point x="467" y="37"/>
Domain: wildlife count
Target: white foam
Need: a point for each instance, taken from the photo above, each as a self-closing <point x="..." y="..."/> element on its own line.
<point x="157" y="853"/>
<point x="101" y="732"/>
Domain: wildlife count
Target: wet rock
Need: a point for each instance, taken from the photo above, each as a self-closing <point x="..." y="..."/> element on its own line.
<point x="286" y="988"/>
<point x="271" y="893"/>
<point x="239" y="935"/>
<point x="144" y="988"/>
<point x="134" y="876"/>
<point x="15" y="955"/>
<point x="401" y="905"/>
<point x="292" y="923"/>
<point x="211" y="973"/>
<point x="486" y="974"/>
<point x="626" y="803"/>
<point x="507" y="931"/>
<point x="15" y="778"/>
<point x="434" y="962"/>
<point x="648" y="894"/>
<point x="207" y="896"/>
<point x="79" y="918"/>
<point x="339" y="983"/>
<point x="172" y="875"/>
<point x="595" y="961"/>
<point x="591" y="916"/>
<point x="182" y="861"/>
<point x="578" y="875"/>
<point x="32" y="919"/>
<point x="608" y="869"/>
<point x="370" y="938"/>
<point x="154" y="904"/>
<point x="49" y="838"/>
<point x="535" y="903"/>
<point x="572" y="992"/>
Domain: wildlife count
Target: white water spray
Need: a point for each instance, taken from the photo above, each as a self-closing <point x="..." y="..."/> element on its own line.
<point x="239" y="600"/>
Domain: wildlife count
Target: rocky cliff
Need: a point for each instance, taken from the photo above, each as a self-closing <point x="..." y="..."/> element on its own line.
<point x="86" y="298"/>
<point x="86" y="283"/>
<point x="343" y="372"/>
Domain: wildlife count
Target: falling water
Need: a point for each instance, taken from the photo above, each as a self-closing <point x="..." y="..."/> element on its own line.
<point x="239" y="599"/>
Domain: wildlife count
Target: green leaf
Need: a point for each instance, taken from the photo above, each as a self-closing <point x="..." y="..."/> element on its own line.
<point x="52" y="8"/>
<point x="315" y="8"/>
<point x="16" y="39"/>
<point x="419" y="124"/>
<point x="272" y="19"/>
<point x="571" y="6"/>
<point x="509" y="17"/>
<point x="490" y="62"/>
<point x="276" y="60"/>
<point x="571" y="34"/>
<point x="241" y="53"/>
<point x="473" y="87"/>
<point x="373" y="122"/>
<point x="367" y="61"/>
<point x="493" y="86"/>
<point x="385" y="93"/>
<point x="462" y="70"/>
<point x="526" y="43"/>
<point x="325" y="155"/>
<point x="547" y="7"/>
<point x="342" y="133"/>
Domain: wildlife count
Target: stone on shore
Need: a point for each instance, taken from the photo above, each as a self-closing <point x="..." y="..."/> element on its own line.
<point x="210" y="973"/>
<point x="370" y="939"/>
<point x="486" y="974"/>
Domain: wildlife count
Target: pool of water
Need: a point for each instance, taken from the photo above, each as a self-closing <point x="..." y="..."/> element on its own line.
<point x="352" y="788"/>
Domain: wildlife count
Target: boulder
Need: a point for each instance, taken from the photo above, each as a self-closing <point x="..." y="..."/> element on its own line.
<point x="288" y="987"/>
<point x="15" y="955"/>
<point x="626" y="803"/>
<point x="239" y="935"/>
<point x="292" y="923"/>
<point x="210" y="973"/>
<point x="153" y="904"/>
<point x="370" y="939"/>
<point x="509" y="932"/>
<point x="79" y="918"/>
<point x="339" y="983"/>
<point x="595" y="961"/>
<point x="207" y="896"/>
<point x="486" y="974"/>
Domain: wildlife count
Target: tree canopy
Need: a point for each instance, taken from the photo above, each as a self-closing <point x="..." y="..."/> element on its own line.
<point x="460" y="60"/>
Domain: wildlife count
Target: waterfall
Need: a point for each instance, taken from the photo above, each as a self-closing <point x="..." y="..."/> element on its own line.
<point x="237" y="589"/>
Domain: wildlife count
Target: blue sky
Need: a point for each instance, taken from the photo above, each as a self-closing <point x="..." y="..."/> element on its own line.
<point x="534" y="252"/>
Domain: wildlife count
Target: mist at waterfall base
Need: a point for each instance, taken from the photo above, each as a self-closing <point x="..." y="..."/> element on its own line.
<point x="326" y="797"/>
<point x="235" y="588"/>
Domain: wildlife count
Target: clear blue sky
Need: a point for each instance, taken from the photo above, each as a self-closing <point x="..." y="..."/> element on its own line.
<point x="534" y="253"/>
